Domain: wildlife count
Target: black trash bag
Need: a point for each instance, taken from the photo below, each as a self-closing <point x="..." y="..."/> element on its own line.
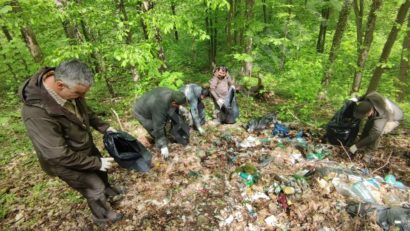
<point x="127" y="151"/>
<point x="261" y="123"/>
<point x="179" y="128"/>
<point x="343" y="126"/>
<point x="386" y="217"/>
<point x="229" y="110"/>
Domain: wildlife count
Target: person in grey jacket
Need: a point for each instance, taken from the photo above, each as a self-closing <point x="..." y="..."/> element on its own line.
<point x="195" y="94"/>
<point x="59" y="123"/>
<point x="154" y="109"/>
<point x="383" y="116"/>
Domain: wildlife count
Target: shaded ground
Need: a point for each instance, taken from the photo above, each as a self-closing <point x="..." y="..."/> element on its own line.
<point x="199" y="187"/>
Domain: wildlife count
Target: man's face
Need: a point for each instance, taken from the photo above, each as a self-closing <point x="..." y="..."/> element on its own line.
<point x="73" y="92"/>
<point x="174" y="104"/>
<point x="222" y="72"/>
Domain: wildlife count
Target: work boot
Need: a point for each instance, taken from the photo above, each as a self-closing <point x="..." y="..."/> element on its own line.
<point x="102" y="212"/>
<point x="114" y="193"/>
<point x="111" y="217"/>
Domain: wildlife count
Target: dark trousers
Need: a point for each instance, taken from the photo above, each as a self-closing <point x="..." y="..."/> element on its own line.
<point x="92" y="186"/>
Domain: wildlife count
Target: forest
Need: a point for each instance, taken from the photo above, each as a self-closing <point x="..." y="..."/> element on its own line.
<point x="298" y="59"/>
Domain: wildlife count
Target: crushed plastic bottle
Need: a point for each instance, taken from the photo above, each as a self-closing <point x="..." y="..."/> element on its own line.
<point x="249" y="179"/>
<point x="360" y="189"/>
<point x="251" y="210"/>
<point x="391" y="179"/>
<point x="315" y="156"/>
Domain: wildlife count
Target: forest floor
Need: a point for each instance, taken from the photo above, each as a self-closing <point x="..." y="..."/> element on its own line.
<point x="199" y="187"/>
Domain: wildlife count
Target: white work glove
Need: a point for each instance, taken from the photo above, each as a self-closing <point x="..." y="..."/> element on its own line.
<point x="110" y="129"/>
<point x="106" y="163"/>
<point x="201" y="130"/>
<point x="220" y="102"/>
<point x="164" y="152"/>
<point x="353" y="149"/>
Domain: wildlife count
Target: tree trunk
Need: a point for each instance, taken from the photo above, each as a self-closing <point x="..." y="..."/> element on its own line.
<point x="6" y="33"/>
<point x="28" y="36"/>
<point x="285" y="36"/>
<point x="229" y="24"/>
<point x="358" y="7"/>
<point x="8" y="64"/>
<point x="71" y="31"/>
<point x="97" y="58"/>
<point x="320" y="46"/>
<point x="211" y="31"/>
<point x="128" y="39"/>
<point x="238" y="32"/>
<point x="265" y="17"/>
<point x="161" y="52"/>
<point x="404" y="65"/>
<point x="208" y="32"/>
<point x="365" y="47"/>
<point x="32" y="44"/>
<point x="9" y="37"/>
<point x="215" y="37"/>
<point x="248" y="47"/>
<point x="401" y="15"/>
<point x="175" y="27"/>
<point x="145" y="6"/>
<point x="124" y="19"/>
<point x="337" y="39"/>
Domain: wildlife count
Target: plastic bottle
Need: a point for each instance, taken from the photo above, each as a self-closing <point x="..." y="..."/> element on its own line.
<point x="249" y="179"/>
<point x="360" y="189"/>
<point x="315" y="156"/>
<point x="390" y="179"/>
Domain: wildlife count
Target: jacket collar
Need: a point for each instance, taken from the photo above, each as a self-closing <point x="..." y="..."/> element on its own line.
<point x="34" y="94"/>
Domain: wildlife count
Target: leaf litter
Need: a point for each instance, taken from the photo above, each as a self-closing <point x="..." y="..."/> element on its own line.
<point x="200" y="187"/>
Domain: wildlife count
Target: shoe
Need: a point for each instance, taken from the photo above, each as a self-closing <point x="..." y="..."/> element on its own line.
<point x="110" y="218"/>
<point x="114" y="193"/>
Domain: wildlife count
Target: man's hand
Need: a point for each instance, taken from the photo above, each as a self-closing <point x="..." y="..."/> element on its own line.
<point x="106" y="163"/>
<point x="353" y="149"/>
<point x="110" y="129"/>
<point x="220" y="102"/>
<point x="164" y="152"/>
<point x="201" y="131"/>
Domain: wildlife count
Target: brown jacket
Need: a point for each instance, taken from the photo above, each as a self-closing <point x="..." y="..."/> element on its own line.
<point x="62" y="142"/>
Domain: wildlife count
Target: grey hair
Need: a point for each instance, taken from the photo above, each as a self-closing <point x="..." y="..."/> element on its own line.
<point x="74" y="72"/>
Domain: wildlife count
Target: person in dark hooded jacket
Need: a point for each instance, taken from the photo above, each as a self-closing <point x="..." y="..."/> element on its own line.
<point x="59" y="123"/>
<point x="154" y="109"/>
<point x="383" y="116"/>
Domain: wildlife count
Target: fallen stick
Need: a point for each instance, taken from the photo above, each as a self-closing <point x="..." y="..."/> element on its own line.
<point x="384" y="165"/>
<point x="345" y="150"/>
<point x="118" y="119"/>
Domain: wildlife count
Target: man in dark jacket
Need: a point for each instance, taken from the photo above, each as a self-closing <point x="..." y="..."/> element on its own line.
<point x="383" y="116"/>
<point x="154" y="109"/>
<point x="59" y="123"/>
<point x="194" y="95"/>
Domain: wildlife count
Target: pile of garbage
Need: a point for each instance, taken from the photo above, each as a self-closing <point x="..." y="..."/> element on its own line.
<point x="272" y="177"/>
